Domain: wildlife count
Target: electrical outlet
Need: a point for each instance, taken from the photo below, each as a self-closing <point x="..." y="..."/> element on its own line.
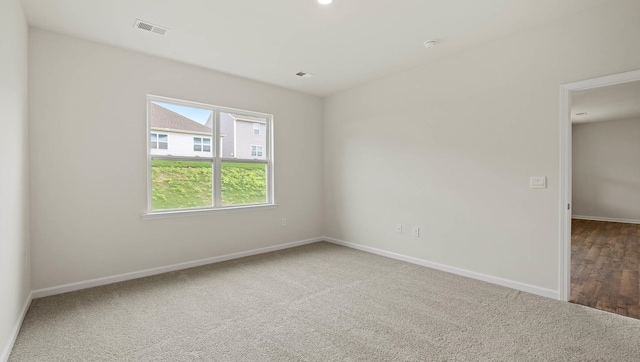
<point x="398" y="228"/>
<point x="416" y="232"/>
<point x="284" y="221"/>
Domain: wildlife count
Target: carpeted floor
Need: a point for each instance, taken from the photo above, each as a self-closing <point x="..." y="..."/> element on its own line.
<point x="318" y="302"/>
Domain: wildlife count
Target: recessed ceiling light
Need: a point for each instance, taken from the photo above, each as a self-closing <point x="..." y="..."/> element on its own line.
<point x="430" y="43"/>
<point x="325" y="2"/>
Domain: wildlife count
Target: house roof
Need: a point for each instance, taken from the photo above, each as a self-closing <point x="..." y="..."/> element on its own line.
<point x="166" y="119"/>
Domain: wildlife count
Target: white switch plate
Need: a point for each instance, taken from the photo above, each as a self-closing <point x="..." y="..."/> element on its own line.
<point x="416" y="232"/>
<point x="398" y="228"/>
<point x="538" y="182"/>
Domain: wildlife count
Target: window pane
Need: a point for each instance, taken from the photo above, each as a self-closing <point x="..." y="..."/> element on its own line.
<point x="243" y="183"/>
<point x="179" y="126"/>
<point x="239" y="132"/>
<point x="154" y="144"/>
<point x="163" y="145"/>
<point x="206" y="148"/>
<point x="206" y="141"/>
<point x="154" y="137"/>
<point x="180" y="184"/>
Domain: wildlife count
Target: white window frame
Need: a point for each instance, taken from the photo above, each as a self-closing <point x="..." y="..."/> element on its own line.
<point x="259" y="151"/>
<point x="215" y="158"/>
<point x="158" y="134"/>
<point x="196" y="144"/>
<point x="201" y="143"/>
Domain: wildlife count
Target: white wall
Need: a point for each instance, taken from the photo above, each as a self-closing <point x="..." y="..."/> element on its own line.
<point x="15" y="280"/>
<point x="450" y="146"/>
<point x="606" y="169"/>
<point x="87" y="200"/>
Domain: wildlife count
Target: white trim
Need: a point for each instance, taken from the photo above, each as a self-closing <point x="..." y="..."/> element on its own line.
<point x="4" y="357"/>
<point x="564" y="244"/>
<point x="164" y="269"/>
<point x="608" y="219"/>
<point x="205" y="210"/>
<point x="453" y="270"/>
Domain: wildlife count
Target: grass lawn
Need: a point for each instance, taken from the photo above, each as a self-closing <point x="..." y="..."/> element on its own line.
<point x="184" y="184"/>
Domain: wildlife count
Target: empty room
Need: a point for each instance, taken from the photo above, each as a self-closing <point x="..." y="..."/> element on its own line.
<point x="605" y="235"/>
<point x="317" y="180"/>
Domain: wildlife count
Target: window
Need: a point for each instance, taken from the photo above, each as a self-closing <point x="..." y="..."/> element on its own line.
<point x="201" y="144"/>
<point x="159" y="141"/>
<point x="256" y="151"/>
<point x="200" y="171"/>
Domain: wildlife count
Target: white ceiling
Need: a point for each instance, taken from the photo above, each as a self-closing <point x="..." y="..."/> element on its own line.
<point x="344" y="44"/>
<point x="612" y="103"/>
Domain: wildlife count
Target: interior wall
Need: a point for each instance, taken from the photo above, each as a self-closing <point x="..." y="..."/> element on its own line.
<point x="449" y="146"/>
<point x="606" y="169"/>
<point x="89" y="159"/>
<point x="15" y="279"/>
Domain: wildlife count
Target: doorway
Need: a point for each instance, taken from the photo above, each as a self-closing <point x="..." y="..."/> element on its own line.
<point x="595" y="214"/>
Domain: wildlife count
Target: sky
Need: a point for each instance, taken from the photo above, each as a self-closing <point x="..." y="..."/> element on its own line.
<point x="196" y="114"/>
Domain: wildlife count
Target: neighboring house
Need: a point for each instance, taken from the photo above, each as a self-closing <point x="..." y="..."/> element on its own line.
<point x="173" y="134"/>
<point x="176" y="135"/>
<point x="243" y="136"/>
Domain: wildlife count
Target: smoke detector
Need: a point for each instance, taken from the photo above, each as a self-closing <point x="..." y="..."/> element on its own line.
<point x="430" y="43"/>
<point x="146" y="26"/>
<point x="304" y="74"/>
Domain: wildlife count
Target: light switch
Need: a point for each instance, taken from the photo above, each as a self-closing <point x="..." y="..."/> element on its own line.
<point x="538" y="182"/>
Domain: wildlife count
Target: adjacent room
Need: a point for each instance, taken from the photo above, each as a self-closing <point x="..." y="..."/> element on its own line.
<point x="318" y="180"/>
<point x="605" y="241"/>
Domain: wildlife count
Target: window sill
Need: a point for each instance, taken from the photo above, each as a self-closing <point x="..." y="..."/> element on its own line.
<point x="193" y="212"/>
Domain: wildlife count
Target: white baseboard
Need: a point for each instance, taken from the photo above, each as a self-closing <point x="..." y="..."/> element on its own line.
<point x="553" y="294"/>
<point x="609" y="219"/>
<point x="165" y="269"/>
<point x="4" y="357"/>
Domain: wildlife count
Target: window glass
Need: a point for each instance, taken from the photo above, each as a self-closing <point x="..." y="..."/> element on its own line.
<point x="239" y="132"/>
<point x="177" y="125"/>
<point x="180" y="184"/>
<point x="243" y="183"/>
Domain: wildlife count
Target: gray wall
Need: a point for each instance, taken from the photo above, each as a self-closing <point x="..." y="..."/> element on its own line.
<point x="450" y="146"/>
<point x="606" y="169"/>
<point x="227" y="129"/>
<point x="87" y="223"/>
<point x="15" y="279"/>
<point x="245" y="138"/>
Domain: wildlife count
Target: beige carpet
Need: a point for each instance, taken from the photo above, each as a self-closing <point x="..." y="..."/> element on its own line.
<point x="319" y="302"/>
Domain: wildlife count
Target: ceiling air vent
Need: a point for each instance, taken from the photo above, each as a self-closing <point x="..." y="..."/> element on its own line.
<point x="304" y="74"/>
<point x="150" y="27"/>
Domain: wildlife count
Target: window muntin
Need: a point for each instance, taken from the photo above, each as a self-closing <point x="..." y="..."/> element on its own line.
<point x="200" y="171"/>
<point x="201" y="144"/>
<point x="159" y="141"/>
<point x="256" y="151"/>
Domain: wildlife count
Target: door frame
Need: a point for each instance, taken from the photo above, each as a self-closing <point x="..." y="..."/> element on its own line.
<point x="565" y="168"/>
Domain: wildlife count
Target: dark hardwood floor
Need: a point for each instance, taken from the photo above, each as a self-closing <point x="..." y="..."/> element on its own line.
<point x="605" y="266"/>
